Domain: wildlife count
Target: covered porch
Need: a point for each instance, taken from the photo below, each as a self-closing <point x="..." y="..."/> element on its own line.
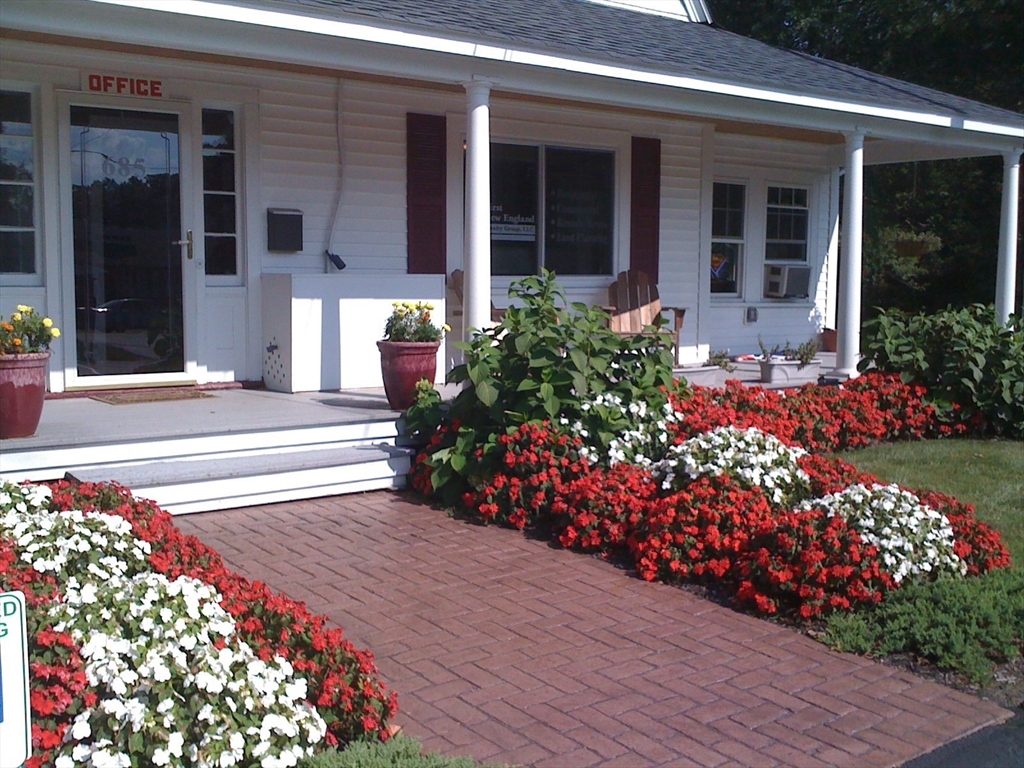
<point x="220" y="448"/>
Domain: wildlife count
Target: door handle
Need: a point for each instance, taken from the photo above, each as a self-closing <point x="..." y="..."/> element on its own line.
<point x="186" y="242"/>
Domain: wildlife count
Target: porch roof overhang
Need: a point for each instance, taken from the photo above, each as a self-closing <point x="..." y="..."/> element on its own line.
<point x="930" y="125"/>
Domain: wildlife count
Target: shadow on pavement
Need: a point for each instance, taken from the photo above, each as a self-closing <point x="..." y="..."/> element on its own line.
<point x="1001" y="746"/>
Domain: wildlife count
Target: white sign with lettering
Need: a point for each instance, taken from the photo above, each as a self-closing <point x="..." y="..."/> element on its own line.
<point x="15" y="717"/>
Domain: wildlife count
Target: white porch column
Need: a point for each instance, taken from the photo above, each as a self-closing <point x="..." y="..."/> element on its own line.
<point x="477" y="261"/>
<point x="848" y="319"/>
<point x="1006" y="272"/>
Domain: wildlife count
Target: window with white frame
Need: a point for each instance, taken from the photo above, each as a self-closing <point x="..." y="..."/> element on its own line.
<point x="220" y="192"/>
<point x="786" y="273"/>
<point x="17" y="184"/>
<point x="728" y="215"/>
<point x="786" y="229"/>
<point x="553" y="208"/>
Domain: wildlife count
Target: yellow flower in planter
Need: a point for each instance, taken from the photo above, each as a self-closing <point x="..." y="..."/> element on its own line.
<point x="26" y="332"/>
<point x="412" y="322"/>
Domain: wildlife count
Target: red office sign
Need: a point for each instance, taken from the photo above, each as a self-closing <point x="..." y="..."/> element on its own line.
<point x="122" y="85"/>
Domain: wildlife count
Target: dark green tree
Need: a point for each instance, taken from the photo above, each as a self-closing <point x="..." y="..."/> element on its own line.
<point x="970" y="48"/>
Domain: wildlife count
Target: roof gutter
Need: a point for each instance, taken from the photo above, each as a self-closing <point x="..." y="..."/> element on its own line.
<point x="437" y="44"/>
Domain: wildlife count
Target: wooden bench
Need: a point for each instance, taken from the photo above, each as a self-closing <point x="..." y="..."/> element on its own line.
<point x="634" y="306"/>
<point x="456" y="282"/>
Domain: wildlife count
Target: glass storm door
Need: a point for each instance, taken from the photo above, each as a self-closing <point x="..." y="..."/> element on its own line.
<point x="126" y="204"/>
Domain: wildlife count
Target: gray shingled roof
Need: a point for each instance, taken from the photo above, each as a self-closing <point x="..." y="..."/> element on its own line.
<point x="591" y="32"/>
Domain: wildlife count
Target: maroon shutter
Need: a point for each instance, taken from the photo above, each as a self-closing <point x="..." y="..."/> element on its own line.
<point x="426" y="193"/>
<point x="645" y="213"/>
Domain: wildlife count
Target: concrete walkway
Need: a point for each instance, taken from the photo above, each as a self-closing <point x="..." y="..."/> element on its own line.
<point x="508" y="650"/>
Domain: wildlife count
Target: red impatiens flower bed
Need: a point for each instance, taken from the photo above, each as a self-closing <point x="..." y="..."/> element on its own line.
<point x="343" y="683"/>
<point x="801" y="563"/>
<point x="874" y="408"/>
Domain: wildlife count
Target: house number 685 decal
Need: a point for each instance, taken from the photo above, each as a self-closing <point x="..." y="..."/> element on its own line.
<point x="124" y="167"/>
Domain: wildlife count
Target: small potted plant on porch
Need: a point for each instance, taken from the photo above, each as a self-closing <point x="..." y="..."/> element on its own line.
<point x="408" y="352"/>
<point x="709" y="373"/>
<point x="789" y="366"/>
<point x="24" y="355"/>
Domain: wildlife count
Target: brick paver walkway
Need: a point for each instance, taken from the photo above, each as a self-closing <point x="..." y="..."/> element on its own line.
<point x="508" y="650"/>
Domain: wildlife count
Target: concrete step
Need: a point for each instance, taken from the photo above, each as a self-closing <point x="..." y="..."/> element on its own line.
<point x="51" y="461"/>
<point x="225" y="480"/>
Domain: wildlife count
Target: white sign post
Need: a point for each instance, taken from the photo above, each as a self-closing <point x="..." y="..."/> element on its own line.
<point x="15" y="725"/>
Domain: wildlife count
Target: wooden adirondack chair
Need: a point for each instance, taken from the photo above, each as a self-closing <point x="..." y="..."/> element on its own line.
<point x="457" y="279"/>
<point x="634" y="305"/>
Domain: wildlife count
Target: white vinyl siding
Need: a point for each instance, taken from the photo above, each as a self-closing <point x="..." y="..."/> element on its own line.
<point x="299" y="163"/>
<point x="680" y="223"/>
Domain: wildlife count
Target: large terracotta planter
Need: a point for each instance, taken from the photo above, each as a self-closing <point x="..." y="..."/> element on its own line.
<point x="22" y="391"/>
<point x="402" y="365"/>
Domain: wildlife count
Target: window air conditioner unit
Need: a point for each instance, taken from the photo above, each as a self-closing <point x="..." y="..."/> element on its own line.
<point x="786" y="281"/>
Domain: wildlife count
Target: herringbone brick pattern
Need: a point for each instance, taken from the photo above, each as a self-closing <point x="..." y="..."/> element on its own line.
<point x="511" y="651"/>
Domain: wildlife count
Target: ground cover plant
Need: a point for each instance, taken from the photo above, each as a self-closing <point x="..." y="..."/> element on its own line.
<point x="399" y="752"/>
<point x="736" y="488"/>
<point x="146" y="650"/>
<point x="965" y="625"/>
<point x="970" y="626"/>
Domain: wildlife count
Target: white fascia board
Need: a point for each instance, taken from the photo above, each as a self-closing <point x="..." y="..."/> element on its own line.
<point x="438" y="44"/>
<point x="1001" y="130"/>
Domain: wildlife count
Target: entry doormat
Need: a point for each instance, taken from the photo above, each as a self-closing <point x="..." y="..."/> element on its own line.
<point x="133" y="396"/>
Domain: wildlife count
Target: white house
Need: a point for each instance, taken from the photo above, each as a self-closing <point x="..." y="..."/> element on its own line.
<point x="180" y="180"/>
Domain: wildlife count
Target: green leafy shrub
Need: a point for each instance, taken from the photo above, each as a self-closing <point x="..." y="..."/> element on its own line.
<point x="543" y="361"/>
<point x="972" y="365"/>
<point x="959" y="624"/>
<point x="399" y="752"/>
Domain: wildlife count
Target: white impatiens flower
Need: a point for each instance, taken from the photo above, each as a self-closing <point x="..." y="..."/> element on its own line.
<point x="614" y="433"/>
<point x="150" y="652"/>
<point x="69" y="543"/>
<point x="81" y="729"/>
<point x="751" y="457"/>
<point x="913" y="540"/>
<point x="177" y="665"/>
<point x="175" y="744"/>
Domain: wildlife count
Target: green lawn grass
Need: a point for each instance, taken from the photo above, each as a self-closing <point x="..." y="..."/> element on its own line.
<point x="399" y="752"/>
<point x="986" y="473"/>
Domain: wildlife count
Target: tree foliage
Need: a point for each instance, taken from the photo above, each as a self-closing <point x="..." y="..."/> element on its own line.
<point x="969" y="48"/>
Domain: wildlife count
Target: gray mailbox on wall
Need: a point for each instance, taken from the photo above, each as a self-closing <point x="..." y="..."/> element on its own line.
<point x="284" y="229"/>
